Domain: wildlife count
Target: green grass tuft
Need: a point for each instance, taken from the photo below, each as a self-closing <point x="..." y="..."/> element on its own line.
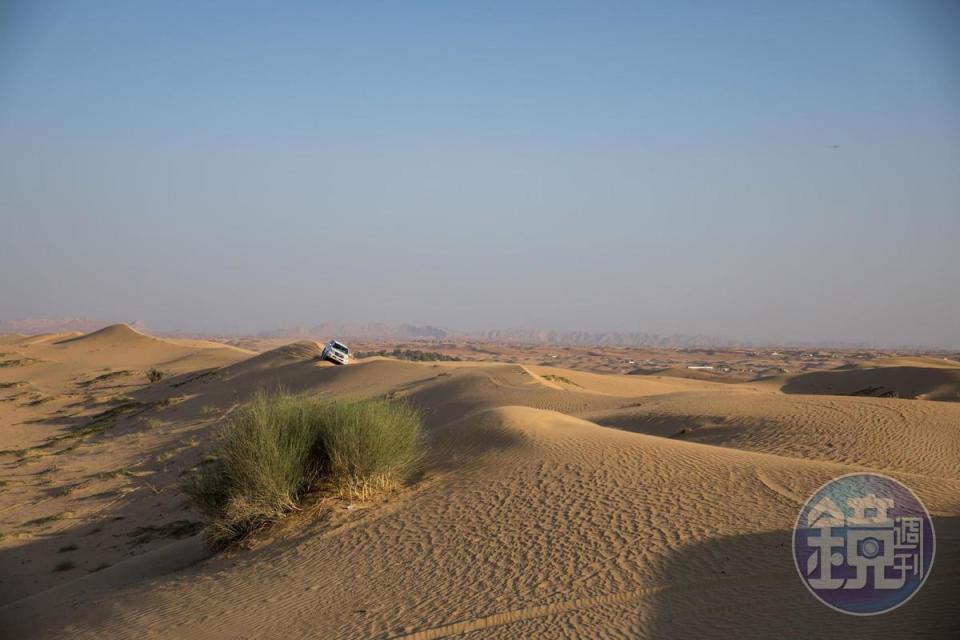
<point x="565" y="380"/>
<point x="280" y="448"/>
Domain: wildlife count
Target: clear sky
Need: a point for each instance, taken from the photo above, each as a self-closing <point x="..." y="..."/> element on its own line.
<point x="765" y="171"/>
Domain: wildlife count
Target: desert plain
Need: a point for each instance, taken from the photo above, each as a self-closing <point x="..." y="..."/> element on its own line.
<point x="566" y="492"/>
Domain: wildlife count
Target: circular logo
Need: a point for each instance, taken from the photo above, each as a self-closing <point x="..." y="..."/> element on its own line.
<point x="863" y="544"/>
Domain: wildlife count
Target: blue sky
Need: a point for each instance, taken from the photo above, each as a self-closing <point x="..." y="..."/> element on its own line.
<point x="761" y="171"/>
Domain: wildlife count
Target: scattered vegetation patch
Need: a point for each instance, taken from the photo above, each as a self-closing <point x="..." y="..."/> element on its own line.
<point x="281" y="449"/>
<point x="177" y="529"/>
<point x="110" y="493"/>
<point x="31" y="453"/>
<point x="99" y="422"/>
<point x="198" y="376"/>
<point x="173" y="452"/>
<point x="18" y="362"/>
<point x="48" y="519"/>
<point x="411" y="354"/>
<point x="565" y="380"/>
<point x="66" y="490"/>
<point x="116" y="473"/>
<point x="66" y="565"/>
<point x="67" y="548"/>
<point x="12" y="385"/>
<point x="155" y="375"/>
<point x="105" y="377"/>
<point x="876" y="392"/>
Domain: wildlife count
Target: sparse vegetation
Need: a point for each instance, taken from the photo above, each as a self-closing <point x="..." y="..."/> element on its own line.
<point x="69" y="547"/>
<point x="104" y="377"/>
<point x="154" y="375"/>
<point x="410" y="354"/>
<point x="18" y="362"/>
<point x="565" y="380"/>
<point x="173" y="452"/>
<point x="48" y="519"/>
<point x="66" y="565"/>
<point x="197" y="376"/>
<point x="116" y="473"/>
<point x="177" y="529"/>
<point x="31" y="453"/>
<point x="66" y="490"/>
<point x="280" y="449"/>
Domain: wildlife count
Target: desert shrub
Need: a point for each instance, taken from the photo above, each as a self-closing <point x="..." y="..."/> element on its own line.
<point x="410" y="354"/>
<point x="154" y="375"/>
<point x="275" y="452"/>
<point x="369" y="446"/>
<point x="565" y="380"/>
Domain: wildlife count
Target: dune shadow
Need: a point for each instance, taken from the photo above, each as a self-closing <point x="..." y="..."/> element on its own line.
<point x="880" y="382"/>
<point x="747" y="587"/>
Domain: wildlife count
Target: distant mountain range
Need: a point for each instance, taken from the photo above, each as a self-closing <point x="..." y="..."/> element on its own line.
<point x="83" y="324"/>
<point x="364" y="331"/>
<point x="379" y="331"/>
<point x="607" y="338"/>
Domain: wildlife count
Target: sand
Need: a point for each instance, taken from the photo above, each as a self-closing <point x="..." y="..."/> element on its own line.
<point x="554" y="503"/>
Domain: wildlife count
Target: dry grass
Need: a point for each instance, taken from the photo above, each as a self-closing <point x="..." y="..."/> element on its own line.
<point x="555" y="378"/>
<point x="281" y="448"/>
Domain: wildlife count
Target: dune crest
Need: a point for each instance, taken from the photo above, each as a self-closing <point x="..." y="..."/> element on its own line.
<point x="114" y="333"/>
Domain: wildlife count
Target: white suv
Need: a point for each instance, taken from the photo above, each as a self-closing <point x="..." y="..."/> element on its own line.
<point x="336" y="352"/>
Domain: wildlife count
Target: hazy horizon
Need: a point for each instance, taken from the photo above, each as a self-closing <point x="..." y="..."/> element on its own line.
<point x="772" y="174"/>
<point x="403" y="332"/>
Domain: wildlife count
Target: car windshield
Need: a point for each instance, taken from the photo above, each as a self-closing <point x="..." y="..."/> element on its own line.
<point x="339" y="347"/>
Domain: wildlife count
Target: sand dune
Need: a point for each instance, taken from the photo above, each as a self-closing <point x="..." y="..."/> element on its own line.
<point x="941" y="382"/>
<point x="872" y="433"/>
<point x="67" y="373"/>
<point x="691" y="374"/>
<point x="554" y="503"/>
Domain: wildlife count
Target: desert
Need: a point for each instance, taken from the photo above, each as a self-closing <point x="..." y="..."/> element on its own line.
<point x="479" y="320"/>
<point x="552" y="502"/>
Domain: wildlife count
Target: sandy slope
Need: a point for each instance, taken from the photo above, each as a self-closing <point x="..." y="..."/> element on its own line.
<point x="918" y="378"/>
<point x="67" y="373"/>
<point x="554" y="504"/>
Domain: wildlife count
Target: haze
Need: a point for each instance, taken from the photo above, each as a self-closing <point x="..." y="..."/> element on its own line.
<point x="760" y="171"/>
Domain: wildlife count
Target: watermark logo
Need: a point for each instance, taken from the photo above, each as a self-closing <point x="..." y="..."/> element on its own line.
<point x="863" y="544"/>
